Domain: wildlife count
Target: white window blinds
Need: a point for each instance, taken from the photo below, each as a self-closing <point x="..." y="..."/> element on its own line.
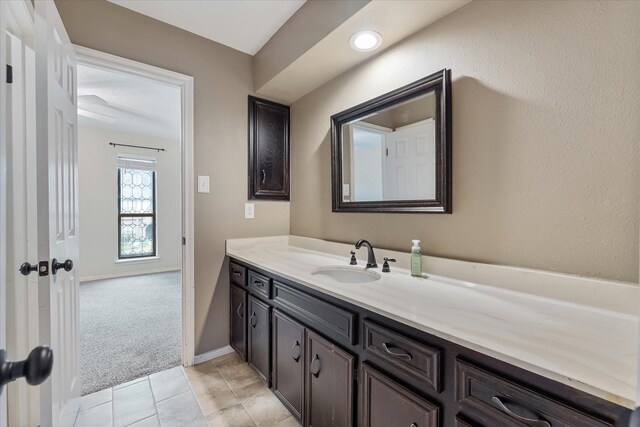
<point x="139" y="163"/>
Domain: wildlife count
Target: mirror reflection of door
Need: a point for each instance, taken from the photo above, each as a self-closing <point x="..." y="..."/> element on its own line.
<point x="410" y="165"/>
<point x="390" y="155"/>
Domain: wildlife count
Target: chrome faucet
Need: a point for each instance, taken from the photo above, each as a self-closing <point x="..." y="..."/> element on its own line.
<point x="371" y="257"/>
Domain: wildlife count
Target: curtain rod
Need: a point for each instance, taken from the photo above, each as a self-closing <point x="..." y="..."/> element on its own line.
<point x="137" y="146"/>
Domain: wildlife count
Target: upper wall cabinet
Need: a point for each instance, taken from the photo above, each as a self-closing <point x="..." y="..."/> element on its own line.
<point x="393" y="153"/>
<point x="268" y="150"/>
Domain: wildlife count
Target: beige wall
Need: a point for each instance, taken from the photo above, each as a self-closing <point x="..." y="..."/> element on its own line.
<point x="545" y="138"/>
<point x="98" y="184"/>
<point x="223" y="79"/>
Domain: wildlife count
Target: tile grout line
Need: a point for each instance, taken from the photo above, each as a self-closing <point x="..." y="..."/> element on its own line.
<point x="234" y="393"/>
<point x="155" y="404"/>
<point x="195" y="395"/>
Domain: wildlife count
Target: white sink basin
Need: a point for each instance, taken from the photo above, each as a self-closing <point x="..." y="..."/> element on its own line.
<point x="347" y="274"/>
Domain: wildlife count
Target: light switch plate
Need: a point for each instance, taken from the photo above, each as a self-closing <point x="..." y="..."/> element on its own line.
<point x="249" y="211"/>
<point x="203" y="184"/>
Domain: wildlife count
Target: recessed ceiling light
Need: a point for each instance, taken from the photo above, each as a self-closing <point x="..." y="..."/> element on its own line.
<point x="365" y="41"/>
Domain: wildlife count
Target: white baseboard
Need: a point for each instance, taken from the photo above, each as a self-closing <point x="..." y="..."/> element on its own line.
<point x="209" y="355"/>
<point x="127" y="274"/>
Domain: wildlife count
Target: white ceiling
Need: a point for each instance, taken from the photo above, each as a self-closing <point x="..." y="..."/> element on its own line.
<point x="138" y="105"/>
<point x="245" y="25"/>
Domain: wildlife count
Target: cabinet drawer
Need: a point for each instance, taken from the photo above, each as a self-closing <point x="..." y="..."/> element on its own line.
<point x="512" y="404"/>
<point x="238" y="274"/>
<point x="386" y="403"/>
<point x="316" y="313"/>
<point x="260" y="284"/>
<point x="410" y="357"/>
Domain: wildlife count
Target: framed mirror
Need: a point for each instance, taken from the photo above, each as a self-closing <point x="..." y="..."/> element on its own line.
<point x="393" y="153"/>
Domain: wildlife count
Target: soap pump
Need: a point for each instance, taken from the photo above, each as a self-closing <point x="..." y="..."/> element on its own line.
<point x="416" y="259"/>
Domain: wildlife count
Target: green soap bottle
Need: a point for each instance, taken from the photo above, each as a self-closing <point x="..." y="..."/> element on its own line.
<point x="416" y="259"/>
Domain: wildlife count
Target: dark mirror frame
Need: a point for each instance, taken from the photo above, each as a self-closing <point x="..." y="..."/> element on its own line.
<point x="440" y="83"/>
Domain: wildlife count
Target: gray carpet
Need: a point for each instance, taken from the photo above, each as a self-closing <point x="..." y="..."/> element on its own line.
<point x="129" y="327"/>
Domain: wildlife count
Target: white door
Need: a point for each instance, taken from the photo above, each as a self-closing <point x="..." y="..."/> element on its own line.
<point x="410" y="165"/>
<point x="22" y="291"/>
<point x="56" y="139"/>
<point x="3" y="200"/>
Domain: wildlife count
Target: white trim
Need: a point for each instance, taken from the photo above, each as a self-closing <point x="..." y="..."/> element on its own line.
<point x="209" y="355"/>
<point x="103" y="60"/>
<point x="137" y="260"/>
<point x="126" y="274"/>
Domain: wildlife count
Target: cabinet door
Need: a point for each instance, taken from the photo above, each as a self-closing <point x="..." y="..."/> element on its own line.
<point x="288" y="362"/>
<point x="238" y="309"/>
<point x="329" y="384"/>
<point x="259" y="343"/>
<point x="386" y="403"/>
<point x="268" y="150"/>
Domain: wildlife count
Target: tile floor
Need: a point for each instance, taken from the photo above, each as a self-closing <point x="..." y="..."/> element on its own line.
<point x="223" y="392"/>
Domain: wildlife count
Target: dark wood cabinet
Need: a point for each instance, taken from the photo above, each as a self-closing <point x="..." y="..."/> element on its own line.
<point x="306" y="345"/>
<point x="259" y="338"/>
<point x="238" y="311"/>
<point x="268" y="150"/>
<point x="288" y="362"/>
<point x="329" y="384"/>
<point x="385" y="403"/>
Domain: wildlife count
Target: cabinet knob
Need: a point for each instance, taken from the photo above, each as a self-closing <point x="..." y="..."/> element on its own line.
<point x="295" y="351"/>
<point x="240" y="311"/>
<point x="529" y="421"/>
<point x="314" y="367"/>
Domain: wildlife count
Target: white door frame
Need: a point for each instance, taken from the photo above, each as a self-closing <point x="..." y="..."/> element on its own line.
<point x="3" y="200"/>
<point x="107" y="61"/>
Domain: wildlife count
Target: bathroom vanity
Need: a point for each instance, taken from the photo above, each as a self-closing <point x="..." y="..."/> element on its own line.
<point x="341" y="346"/>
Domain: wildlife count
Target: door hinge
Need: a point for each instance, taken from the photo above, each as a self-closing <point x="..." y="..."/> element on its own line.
<point x="387" y="151"/>
<point x="43" y="268"/>
<point x="9" y="74"/>
<point x="355" y="375"/>
<point x="184" y="241"/>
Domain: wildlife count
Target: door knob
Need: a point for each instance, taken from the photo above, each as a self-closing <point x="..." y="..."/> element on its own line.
<point x="36" y="368"/>
<point x="66" y="266"/>
<point x="26" y="268"/>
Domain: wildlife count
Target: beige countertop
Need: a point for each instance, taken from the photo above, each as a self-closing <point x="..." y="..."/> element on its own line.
<point x="578" y="331"/>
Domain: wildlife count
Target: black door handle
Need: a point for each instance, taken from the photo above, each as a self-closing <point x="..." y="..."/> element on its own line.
<point x="26" y="268"/>
<point x="36" y="368"/>
<point x="66" y="266"/>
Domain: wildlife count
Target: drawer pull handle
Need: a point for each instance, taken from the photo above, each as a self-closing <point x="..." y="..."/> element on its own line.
<point x="264" y="176"/>
<point x="258" y="283"/>
<point x="530" y="421"/>
<point x="414" y="425"/>
<point x="237" y="274"/>
<point x="314" y="367"/>
<point x="240" y="311"/>
<point x="252" y="320"/>
<point x="295" y="351"/>
<point x="404" y="355"/>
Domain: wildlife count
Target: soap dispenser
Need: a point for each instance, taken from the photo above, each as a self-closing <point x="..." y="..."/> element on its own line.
<point x="416" y="259"/>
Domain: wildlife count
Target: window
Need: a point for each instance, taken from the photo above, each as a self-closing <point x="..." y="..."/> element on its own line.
<point x="136" y="207"/>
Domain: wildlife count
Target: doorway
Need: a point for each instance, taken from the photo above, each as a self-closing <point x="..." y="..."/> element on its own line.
<point x="136" y="292"/>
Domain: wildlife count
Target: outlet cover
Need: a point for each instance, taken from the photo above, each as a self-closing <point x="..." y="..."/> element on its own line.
<point x="203" y="184"/>
<point x="249" y="211"/>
